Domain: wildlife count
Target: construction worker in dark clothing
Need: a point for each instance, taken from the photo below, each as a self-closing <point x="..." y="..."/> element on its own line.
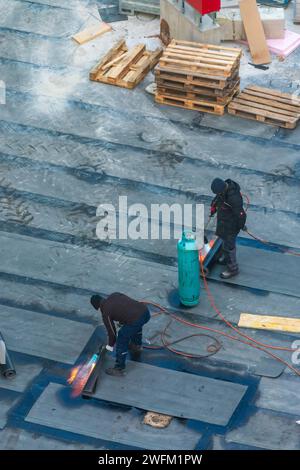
<point x="132" y="315"/>
<point x="231" y="218"/>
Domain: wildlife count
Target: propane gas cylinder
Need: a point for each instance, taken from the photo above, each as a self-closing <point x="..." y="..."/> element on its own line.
<point x="188" y="269"/>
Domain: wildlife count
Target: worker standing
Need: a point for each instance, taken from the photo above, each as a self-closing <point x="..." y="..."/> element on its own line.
<point x="231" y="218"/>
<point x="132" y="315"/>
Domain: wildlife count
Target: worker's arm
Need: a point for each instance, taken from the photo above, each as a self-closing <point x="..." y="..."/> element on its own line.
<point x="110" y="328"/>
<point x="236" y="204"/>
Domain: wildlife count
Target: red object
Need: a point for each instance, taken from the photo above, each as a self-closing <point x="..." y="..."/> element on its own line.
<point x="205" y="6"/>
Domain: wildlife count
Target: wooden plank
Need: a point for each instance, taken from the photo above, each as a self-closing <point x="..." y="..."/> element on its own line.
<point x="91" y="33"/>
<point x="254" y="31"/>
<point x="275" y="93"/>
<point x="204" y="46"/>
<point x="121" y="69"/>
<point x="248" y="113"/>
<point x="199" y="58"/>
<point x="261" y="112"/>
<point x="252" y="96"/>
<point x="120" y="47"/>
<point x="223" y="52"/>
<point x="193" y="65"/>
<point x="242" y="99"/>
<point x="266" y="322"/>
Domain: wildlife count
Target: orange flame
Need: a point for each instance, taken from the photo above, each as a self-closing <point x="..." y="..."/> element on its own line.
<point x="206" y="249"/>
<point x="79" y="376"/>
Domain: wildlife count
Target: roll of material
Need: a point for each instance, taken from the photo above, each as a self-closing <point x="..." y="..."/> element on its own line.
<point x="7" y="368"/>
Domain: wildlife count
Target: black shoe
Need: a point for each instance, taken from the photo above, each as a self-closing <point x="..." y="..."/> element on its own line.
<point x="222" y="260"/>
<point x="228" y="274"/>
<point x="135" y="348"/>
<point x="115" y="371"/>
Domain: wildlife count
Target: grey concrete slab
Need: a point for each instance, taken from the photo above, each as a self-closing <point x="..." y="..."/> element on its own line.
<point x="268" y="430"/>
<point x="19" y="439"/>
<point x="237" y="125"/>
<point x="108" y="423"/>
<point x="7" y="401"/>
<point x="39" y="18"/>
<point x="172" y="393"/>
<point x="26" y="369"/>
<point x="279" y="395"/>
<point x="43" y="335"/>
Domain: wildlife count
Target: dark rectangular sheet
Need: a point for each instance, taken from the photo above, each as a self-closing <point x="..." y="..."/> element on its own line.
<point x="108" y="423"/>
<point x="171" y="392"/>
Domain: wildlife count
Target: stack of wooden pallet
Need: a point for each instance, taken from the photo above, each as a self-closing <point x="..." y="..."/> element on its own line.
<point x="198" y="76"/>
<point x="125" y="68"/>
<point x="267" y="105"/>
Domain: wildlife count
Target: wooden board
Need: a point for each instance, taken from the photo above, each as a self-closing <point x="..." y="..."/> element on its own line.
<point x="91" y="33"/>
<point x="266" y="105"/>
<point x="192" y="87"/>
<point x="266" y="322"/>
<point x="254" y="31"/>
<point x="125" y="68"/>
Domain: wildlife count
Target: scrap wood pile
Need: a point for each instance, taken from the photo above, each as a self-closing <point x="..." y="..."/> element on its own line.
<point x="123" y="67"/>
<point x="267" y="105"/>
<point x="196" y="76"/>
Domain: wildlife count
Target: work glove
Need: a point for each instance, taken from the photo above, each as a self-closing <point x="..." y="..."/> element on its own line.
<point x="213" y="210"/>
<point x="109" y="348"/>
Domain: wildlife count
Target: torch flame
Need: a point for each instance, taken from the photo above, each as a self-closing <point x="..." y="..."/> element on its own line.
<point x="80" y="374"/>
<point x="206" y="249"/>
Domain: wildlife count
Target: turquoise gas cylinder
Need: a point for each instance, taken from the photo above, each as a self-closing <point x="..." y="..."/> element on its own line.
<point x="188" y="269"/>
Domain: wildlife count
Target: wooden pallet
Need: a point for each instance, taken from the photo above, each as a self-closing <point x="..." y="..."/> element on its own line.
<point x="195" y="105"/>
<point x="124" y="68"/>
<point x="267" y="105"/>
<point x="200" y="59"/>
<point x="187" y="87"/>
<point x="195" y="79"/>
<point x="198" y="96"/>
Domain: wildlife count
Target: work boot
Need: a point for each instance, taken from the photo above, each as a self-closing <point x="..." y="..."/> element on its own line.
<point x="115" y="371"/>
<point x="228" y="273"/>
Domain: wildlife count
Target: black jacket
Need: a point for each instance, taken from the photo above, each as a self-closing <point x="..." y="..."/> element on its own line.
<point x="121" y="308"/>
<point x="231" y="217"/>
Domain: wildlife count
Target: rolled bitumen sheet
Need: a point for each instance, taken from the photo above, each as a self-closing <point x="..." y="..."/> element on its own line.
<point x="54" y="410"/>
<point x="171" y="392"/>
<point x="7" y="367"/>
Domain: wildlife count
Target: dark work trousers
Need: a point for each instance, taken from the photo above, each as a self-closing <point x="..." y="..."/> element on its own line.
<point x="229" y="250"/>
<point x="130" y="333"/>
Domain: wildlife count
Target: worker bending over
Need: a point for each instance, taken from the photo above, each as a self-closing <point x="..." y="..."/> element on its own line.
<point x="231" y="218"/>
<point x="132" y="315"/>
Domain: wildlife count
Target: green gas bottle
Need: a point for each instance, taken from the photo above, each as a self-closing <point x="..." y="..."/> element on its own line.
<point x="188" y="269"/>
